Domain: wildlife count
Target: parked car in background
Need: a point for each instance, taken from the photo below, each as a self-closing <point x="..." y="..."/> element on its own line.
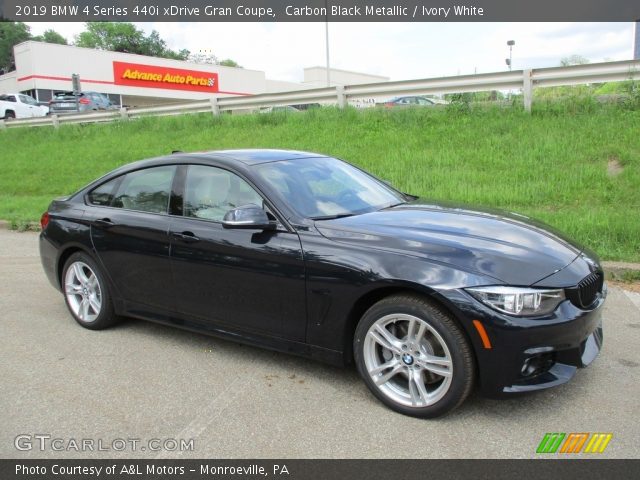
<point x="280" y="108"/>
<point x="65" y="102"/>
<point x="414" y="101"/>
<point x="307" y="254"/>
<point x="19" y="105"/>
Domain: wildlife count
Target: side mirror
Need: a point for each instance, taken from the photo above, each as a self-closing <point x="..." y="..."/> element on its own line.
<point x="248" y="217"/>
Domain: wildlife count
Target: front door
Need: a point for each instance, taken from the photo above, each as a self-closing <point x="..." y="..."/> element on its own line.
<point x="247" y="280"/>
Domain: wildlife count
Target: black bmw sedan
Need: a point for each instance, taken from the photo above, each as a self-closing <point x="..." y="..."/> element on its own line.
<point x="307" y="254"/>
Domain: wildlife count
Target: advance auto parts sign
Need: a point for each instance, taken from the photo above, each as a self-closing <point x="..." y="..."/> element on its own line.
<point x="151" y="76"/>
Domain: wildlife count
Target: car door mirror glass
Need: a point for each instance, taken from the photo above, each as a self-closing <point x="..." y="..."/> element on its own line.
<point x="248" y="217"/>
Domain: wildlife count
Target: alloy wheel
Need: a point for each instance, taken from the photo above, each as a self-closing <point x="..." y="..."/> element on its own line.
<point x="408" y="360"/>
<point x="83" y="292"/>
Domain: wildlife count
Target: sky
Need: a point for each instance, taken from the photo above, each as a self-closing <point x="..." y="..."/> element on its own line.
<point x="400" y="51"/>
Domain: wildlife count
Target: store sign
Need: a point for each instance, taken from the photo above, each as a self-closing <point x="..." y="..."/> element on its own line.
<point x="151" y="76"/>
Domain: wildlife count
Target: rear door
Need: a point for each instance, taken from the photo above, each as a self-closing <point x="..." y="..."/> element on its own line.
<point x="130" y="233"/>
<point x="247" y="280"/>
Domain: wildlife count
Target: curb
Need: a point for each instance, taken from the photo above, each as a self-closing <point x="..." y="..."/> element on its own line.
<point x="620" y="266"/>
<point x="27" y="227"/>
<point x="624" y="272"/>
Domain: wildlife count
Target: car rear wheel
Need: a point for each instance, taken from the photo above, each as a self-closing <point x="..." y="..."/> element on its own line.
<point x="86" y="293"/>
<point x="9" y="115"/>
<point x="413" y="356"/>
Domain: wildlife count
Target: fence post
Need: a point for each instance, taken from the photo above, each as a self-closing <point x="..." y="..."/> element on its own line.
<point x="527" y="89"/>
<point x="342" y="98"/>
<point x="215" y="108"/>
<point x="55" y="120"/>
<point x="124" y="115"/>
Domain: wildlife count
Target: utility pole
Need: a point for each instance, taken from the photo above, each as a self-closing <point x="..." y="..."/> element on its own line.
<point x="636" y="49"/>
<point x="326" y="33"/>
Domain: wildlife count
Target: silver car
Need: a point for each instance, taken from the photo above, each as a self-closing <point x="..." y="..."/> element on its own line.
<point x="65" y="102"/>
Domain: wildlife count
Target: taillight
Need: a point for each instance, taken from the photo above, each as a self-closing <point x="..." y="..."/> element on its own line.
<point x="44" y="220"/>
<point x="84" y="101"/>
<point x="388" y="104"/>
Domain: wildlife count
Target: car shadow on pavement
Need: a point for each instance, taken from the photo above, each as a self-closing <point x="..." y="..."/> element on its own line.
<point x="281" y="365"/>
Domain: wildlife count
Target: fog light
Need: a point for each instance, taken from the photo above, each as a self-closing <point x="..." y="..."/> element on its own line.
<point x="537" y="365"/>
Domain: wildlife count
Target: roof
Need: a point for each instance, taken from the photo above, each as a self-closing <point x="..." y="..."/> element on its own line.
<point x="247" y="158"/>
<point x="257" y="156"/>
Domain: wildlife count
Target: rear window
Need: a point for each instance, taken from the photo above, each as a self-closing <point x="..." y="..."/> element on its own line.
<point x="66" y="95"/>
<point x="103" y="195"/>
<point x="146" y="190"/>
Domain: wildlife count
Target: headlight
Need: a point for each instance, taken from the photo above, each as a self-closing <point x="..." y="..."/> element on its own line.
<point x="519" y="301"/>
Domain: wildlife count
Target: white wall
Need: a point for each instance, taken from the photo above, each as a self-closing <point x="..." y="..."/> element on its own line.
<point x="274" y="86"/>
<point x="50" y="60"/>
<point x="8" y="83"/>
<point x="317" y="77"/>
<point x="49" y="67"/>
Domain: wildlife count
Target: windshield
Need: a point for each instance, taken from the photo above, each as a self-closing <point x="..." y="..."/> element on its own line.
<point x="322" y="188"/>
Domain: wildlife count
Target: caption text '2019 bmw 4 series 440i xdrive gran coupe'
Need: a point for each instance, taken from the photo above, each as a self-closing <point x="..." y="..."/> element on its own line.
<point x="307" y="254"/>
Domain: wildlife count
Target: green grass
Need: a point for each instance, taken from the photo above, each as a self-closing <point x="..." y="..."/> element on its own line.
<point x="551" y="165"/>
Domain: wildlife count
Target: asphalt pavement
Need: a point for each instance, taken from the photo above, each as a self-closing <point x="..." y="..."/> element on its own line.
<point x="153" y="386"/>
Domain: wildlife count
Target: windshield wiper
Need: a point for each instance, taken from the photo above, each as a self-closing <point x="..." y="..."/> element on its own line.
<point x="394" y="205"/>
<point x="333" y="217"/>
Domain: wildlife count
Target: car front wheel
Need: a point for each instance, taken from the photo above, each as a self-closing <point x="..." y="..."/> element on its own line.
<point x="413" y="356"/>
<point x="86" y="293"/>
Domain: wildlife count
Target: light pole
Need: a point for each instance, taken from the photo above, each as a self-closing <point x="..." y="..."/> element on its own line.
<point x="326" y="33"/>
<point x="508" y="61"/>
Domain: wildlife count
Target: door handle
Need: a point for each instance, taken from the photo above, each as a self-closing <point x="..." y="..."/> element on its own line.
<point x="103" y="222"/>
<point x="187" y="237"/>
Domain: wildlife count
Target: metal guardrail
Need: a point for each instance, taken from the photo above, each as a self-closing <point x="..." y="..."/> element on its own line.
<point x="526" y="80"/>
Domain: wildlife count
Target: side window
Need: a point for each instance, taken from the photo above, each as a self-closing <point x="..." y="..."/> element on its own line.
<point x="27" y="99"/>
<point x="103" y="195"/>
<point x="146" y="190"/>
<point x="211" y="192"/>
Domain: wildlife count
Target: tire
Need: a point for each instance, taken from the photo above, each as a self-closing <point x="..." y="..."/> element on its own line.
<point x="423" y="366"/>
<point x="86" y="293"/>
<point x="9" y="115"/>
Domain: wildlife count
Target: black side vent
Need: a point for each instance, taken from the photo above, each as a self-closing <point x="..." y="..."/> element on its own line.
<point x="586" y="292"/>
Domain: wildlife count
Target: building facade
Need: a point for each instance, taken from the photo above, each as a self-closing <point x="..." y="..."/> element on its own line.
<point x="42" y="69"/>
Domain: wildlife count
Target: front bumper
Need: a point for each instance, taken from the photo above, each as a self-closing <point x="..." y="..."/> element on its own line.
<point x="562" y="365"/>
<point x="529" y="354"/>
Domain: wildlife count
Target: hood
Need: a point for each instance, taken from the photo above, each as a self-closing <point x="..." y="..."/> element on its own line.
<point x="509" y="247"/>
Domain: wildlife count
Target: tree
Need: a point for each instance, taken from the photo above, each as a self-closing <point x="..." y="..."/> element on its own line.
<point x="573" y="60"/>
<point x="11" y="33"/>
<point x="51" y="36"/>
<point x="208" y="58"/>
<point x="229" y="63"/>
<point x="126" y="37"/>
<point x="204" y="56"/>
